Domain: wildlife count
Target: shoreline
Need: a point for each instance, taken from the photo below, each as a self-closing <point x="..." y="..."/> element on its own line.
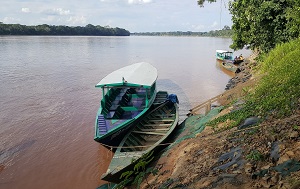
<point x="225" y="157"/>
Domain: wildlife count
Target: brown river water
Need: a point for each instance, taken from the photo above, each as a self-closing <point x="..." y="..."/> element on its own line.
<point x="48" y="101"/>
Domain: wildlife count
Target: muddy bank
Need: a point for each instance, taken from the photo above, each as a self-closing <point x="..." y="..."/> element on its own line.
<point x="259" y="153"/>
<point x="258" y="157"/>
<point x="243" y="72"/>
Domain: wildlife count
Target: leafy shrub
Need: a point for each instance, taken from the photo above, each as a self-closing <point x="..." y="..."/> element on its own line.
<point x="279" y="90"/>
<point x="255" y="155"/>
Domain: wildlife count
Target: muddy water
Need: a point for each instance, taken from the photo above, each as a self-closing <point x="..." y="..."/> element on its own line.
<point x="48" y="101"/>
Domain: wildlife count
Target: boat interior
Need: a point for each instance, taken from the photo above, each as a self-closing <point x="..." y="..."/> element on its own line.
<point x="151" y="128"/>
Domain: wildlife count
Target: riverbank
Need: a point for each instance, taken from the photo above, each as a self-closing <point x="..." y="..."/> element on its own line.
<point x="259" y="153"/>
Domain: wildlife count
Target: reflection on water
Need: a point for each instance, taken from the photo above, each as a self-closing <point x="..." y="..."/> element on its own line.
<point x="48" y="101"/>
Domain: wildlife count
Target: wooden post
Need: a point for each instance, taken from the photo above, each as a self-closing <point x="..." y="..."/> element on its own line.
<point x="208" y="107"/>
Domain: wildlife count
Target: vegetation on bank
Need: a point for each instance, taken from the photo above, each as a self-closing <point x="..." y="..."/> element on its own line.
<point x="277" y="94"/>
<point x="275" y="34"/>
<point x="225" y="32"/>
<point x="90" y="30"/>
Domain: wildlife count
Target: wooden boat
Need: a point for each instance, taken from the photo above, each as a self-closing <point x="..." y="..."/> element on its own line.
<point x="146" y="136"/>
<point x="228" y="65"/>
<point x="224" y="55"/>
<point x="127" y="94"/>
<point x="107" y="186"/>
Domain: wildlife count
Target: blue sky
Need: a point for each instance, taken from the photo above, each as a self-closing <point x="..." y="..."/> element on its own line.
<point x="133" y="15"/>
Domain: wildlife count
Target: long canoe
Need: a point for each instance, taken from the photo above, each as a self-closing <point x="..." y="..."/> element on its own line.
<point x="149" y="134"/>
<point x="228" y="65"/>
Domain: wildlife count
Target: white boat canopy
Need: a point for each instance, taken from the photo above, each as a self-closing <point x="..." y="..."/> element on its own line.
<point x="223" y="51"/>
<point x="135" y="75"/>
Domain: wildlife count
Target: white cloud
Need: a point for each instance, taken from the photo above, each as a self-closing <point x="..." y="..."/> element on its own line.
<point x="10" y="20"/>
<point x="26" y="10"/>
<point x="129" y="1"/>
<point x="198" y="27"/>
<point x="151" y="15"/>
<point x="214" y="25"/>
<point x="48" y="19"/>
<point x="139" y="1"/>
<point x="56" y="11"/>
<point x="76" y="20"/>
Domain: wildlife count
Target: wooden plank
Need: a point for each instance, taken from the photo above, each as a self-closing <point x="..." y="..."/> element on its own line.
<point x="160" y="120"/>
<point x="225" y="94"/>
<point x="150" y="130"/>
<point x="161" y="98"/>
<point x="149" y="133"/>
<point x="159" y="114"/>
<point x="158" y="125"/>
<point x="166" y="115"/>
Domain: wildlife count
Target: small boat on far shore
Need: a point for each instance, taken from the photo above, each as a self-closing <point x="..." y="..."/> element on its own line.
<point x="148" y="135"/>
<point x="127" y="94"/>
<point x="228" y="65"/>
<point x="224" y="55"/>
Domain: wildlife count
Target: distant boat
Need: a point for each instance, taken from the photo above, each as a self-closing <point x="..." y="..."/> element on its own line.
<point x="227" y="56"/>
<point x="147" y="135"/>
<point x="224" y="55"/>
<point x="228" y="65"/>
<point x="127" y="94"/>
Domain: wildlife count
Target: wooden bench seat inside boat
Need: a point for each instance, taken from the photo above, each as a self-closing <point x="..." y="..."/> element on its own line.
<point x="149" y="133"/>
<point x="158" y="125"/>
<point x="160" y="120"/>
<point x="150" y="130"/>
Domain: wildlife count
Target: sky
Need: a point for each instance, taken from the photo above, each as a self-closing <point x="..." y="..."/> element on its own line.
<point x="132" y="15"/>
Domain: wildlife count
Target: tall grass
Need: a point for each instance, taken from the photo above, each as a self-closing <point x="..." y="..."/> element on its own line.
<point x="279" y="90"/>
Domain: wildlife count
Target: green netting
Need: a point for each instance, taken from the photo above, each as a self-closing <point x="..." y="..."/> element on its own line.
<point x="194" y="125"/>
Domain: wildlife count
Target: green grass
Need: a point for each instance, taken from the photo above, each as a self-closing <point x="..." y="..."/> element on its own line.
<point x="278" y="92"/>
<point x="255" y="155"/>
<point x="236" y="118"/>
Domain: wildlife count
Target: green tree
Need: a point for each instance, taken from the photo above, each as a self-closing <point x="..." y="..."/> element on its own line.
<point x="17" y="29"/>
<point x="201" y="2"/>
<point x="293" y="17"/>
<point x="263" y="26"/>
<point x="226" y="27"/>
<point x="263" y="23"/>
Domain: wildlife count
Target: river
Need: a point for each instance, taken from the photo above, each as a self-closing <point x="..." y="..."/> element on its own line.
<point x="48" y="101"/>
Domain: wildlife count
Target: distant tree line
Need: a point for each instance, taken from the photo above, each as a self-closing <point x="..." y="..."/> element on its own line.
<point x="44" y="29"/>
<point x="225" y="32"/>
<point x="171" y="33"/>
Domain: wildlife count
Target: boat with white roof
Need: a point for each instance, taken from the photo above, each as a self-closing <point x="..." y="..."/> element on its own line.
<point x="127" y="94"/>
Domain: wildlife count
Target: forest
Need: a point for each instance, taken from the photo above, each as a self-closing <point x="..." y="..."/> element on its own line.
<point x="44" y="29"/>
<point x="225" y="32"/>
<point x="262" y="24"/>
